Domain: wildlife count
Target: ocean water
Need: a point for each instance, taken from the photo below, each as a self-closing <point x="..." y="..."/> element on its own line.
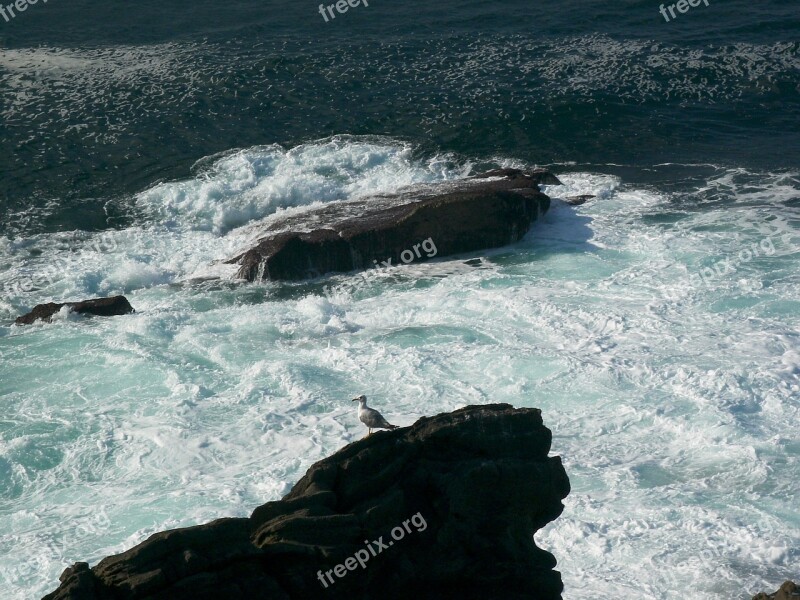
<point x="657" y="326"/>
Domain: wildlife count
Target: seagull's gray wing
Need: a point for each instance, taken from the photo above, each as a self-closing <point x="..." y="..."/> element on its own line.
<point x="373" y="419"/>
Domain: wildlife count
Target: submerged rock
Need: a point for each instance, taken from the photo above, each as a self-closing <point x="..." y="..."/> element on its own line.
<point x="446" y="508"/>
<point x="101" y="307"/>
<point x="578" y="200"/>
<point x="788" y="591"/>
<point x="486" y="211"/>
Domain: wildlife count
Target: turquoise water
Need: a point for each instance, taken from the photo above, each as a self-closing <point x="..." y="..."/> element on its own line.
<point x="672" y="397"/>
<point x="656" y="326"/>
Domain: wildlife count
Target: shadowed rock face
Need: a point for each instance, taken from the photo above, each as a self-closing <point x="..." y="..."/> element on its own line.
<point x="479" y="478"/>
<point x="103" y="307"/>
<point x="486" y="211"/>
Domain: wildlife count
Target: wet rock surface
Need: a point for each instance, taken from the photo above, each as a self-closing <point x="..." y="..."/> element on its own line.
<point x="486" y="211"/>
<point x="101" y="307"/>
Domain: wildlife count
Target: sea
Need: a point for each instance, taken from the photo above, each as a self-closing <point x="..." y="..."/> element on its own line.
<point x="657" y="326"/>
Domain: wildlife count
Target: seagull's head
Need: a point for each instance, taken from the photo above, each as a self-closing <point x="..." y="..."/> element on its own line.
<point x="361" y="398"/>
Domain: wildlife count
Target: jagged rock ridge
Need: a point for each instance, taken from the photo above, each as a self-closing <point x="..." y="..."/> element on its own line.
<point x="479" y="478"/>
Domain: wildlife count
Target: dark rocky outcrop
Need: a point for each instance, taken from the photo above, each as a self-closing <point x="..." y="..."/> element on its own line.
<point x="486" y="211"/>
<point x="788" y="591"/>
<point x="479" y="478"/>
<point x="101" y="307"/>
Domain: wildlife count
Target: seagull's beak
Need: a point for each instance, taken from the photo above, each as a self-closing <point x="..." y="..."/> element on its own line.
<point x="356" y="399"/>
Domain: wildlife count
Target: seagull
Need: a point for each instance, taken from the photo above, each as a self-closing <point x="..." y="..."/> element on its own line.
<point x="371" y="417"/>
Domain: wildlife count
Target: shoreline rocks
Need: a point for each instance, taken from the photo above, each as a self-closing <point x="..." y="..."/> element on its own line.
<point x="479" y="479"/>
<point x="489" y="210"/>
<point x="101" y="307"/>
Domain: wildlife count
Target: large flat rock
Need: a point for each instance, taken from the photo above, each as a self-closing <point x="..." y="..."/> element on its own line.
<point x="416" y="224"/>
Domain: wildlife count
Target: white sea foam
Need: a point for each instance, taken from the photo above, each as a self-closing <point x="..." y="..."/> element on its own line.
<point x="671" y="400"/>
<point x="254" y="183"/>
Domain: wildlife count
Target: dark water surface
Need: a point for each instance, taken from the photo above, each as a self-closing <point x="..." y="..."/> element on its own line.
<point x="100" y="100"/>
